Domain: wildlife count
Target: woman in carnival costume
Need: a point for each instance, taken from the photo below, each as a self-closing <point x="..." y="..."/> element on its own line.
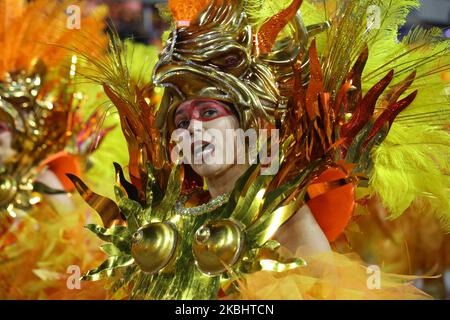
<point x="208" y="229"/>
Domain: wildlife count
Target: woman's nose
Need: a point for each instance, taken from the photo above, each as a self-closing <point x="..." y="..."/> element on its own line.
<point x="195" y="126"/>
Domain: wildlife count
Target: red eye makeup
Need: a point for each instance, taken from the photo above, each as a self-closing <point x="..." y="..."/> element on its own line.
<point x="201" y="110"/>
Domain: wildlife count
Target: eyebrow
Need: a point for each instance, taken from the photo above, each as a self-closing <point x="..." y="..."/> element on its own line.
<point x="179" y="111"/>
<point x="199" y="104"/>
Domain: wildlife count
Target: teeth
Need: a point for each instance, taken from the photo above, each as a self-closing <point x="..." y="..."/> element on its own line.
<point x="203" y="148"/>
<point x="208" y="147"/>
<point x="198" y="149"/>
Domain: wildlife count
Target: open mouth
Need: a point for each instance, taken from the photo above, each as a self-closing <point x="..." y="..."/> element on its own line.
<point x="202" y="149"/>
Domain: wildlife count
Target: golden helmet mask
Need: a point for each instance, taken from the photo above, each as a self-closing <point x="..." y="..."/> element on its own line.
<point x="222" y="56"/>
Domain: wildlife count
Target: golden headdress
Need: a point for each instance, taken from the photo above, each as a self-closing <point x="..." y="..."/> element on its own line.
<point x="227" y="57"/>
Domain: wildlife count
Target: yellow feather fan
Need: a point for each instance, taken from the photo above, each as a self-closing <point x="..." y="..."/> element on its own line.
<point x="44" y="253"/>
<point x="412" y="164"/>
<point x="140" y="59"/>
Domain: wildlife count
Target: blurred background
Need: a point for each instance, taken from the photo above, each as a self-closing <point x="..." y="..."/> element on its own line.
<point x="433" y="13"/>
<point x="140" y="18"/>
<point x="137" y="19"/>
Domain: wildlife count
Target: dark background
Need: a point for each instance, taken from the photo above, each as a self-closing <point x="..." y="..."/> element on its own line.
<point x="140" y="19"/>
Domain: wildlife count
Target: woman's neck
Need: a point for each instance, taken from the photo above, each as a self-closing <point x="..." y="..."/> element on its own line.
<point x="224" y="182"/>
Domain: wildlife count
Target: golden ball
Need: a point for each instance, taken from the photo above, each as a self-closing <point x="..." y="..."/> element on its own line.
<point x="154" y="245"/>
<point x="218" y="245"/>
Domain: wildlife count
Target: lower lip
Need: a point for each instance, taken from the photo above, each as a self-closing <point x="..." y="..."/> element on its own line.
<point x="207" y="152"/>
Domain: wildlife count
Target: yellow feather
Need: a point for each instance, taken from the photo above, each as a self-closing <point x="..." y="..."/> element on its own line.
<point x="140" y="60"/>
<point x="413" y="165"/>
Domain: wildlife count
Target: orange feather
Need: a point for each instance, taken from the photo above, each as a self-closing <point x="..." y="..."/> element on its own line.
<point x="39" y="31"/>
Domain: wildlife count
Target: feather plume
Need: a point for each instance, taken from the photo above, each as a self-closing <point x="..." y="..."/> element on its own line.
<point x="411" y="165"/>
<point x="39" y="31"/>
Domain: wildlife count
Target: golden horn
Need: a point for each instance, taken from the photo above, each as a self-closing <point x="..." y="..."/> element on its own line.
<point x="106" y="208"/>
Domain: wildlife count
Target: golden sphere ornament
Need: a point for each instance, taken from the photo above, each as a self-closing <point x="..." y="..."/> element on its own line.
<point x="218" y="245"/>
<point x="154" y="245"/>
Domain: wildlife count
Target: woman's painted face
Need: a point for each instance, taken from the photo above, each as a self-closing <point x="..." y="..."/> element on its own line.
<point x="212" y="127"/>
<point x="5" y="143"/>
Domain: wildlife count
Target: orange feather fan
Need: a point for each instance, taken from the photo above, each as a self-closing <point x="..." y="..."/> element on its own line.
<point x="40" y="30"/>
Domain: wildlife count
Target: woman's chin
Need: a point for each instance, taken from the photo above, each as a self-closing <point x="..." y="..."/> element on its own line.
<point x="210" y="170"/>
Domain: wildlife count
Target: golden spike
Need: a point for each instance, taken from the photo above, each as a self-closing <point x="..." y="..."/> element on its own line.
<point x="107" y="209"/>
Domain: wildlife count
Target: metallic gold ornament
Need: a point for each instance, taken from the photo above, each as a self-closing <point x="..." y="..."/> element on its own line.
<point x="218" y="246"/>
<point x="8" y="190"/>
<point x="39" y="125"/>
<point x="37" y="99"/>
<point x="153" y="246"/>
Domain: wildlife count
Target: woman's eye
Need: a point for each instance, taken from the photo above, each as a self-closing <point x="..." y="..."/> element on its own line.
<point x="184" y="124"/>
<point x="209" y="113"/>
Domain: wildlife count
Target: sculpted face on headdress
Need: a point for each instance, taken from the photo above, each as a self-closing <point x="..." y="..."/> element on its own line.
<point x="219" y="54"/>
